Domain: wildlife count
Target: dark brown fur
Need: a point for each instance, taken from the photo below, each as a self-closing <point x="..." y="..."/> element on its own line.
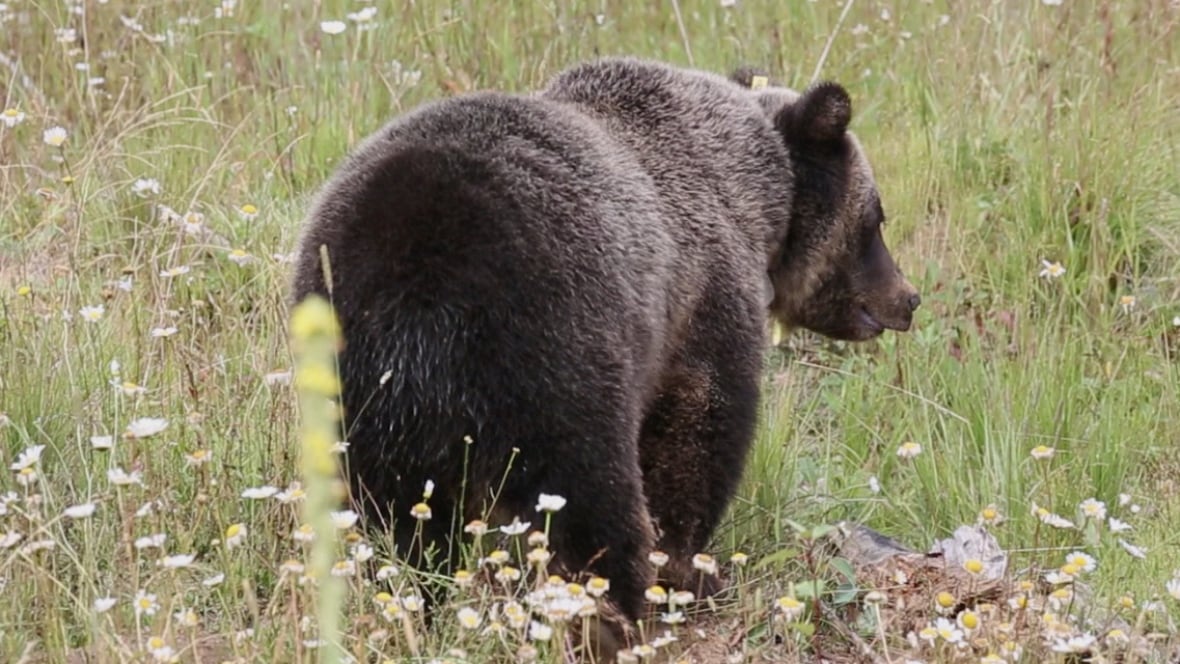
<point x="579" y="280"/>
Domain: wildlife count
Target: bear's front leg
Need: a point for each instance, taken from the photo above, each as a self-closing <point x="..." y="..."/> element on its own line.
<point x="694" y="444"/>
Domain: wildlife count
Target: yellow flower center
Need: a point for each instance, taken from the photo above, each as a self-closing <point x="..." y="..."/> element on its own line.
<point x="789" y="603"/>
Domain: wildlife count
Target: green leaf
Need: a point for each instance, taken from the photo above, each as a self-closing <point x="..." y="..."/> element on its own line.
<point x="844" y="567"/>
<point x="821" y="531"/>
<point x="845" y="594"/>
<point x="777" y="557"/>
<point x="866" y="623"/>
<point x="757" y="633"/>
<point x="810" y="589"/>
<point x="796" y="526"/>
<point x="804" y="628"/>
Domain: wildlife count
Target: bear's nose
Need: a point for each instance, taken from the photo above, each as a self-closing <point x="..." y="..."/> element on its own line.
<point x="915" y="301"/>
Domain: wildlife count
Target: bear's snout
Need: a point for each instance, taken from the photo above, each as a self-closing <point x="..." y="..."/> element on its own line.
<point x="896" y="312"/>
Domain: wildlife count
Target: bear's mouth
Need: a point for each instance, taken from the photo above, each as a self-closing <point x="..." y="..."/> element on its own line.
<point x="876" y="325"/>
<point x="869" y="323"/>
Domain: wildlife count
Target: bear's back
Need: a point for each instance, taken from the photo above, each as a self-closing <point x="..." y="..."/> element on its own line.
<point x="706" y="142"/>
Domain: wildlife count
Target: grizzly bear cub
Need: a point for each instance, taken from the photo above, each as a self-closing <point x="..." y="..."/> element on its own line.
<point x="568" y="293"/>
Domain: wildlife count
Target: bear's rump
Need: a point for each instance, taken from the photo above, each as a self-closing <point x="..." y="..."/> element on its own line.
<point x="492" y="296"/>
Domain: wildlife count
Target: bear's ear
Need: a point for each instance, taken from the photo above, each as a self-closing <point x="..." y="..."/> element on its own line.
<point x="821" y="115"/>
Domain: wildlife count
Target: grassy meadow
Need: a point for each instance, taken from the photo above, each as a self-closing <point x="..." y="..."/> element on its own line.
<point x="156" y="159"/>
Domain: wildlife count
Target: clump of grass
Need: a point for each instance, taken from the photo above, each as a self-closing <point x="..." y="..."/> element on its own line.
<point x="155" y="163"/>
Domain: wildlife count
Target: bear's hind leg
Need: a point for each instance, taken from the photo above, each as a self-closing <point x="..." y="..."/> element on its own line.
<point x="603" y="529"/>
<point x="607" y="532"/>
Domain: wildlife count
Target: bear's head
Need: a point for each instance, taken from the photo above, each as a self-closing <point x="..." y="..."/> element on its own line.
<point x="832" y="272"/>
